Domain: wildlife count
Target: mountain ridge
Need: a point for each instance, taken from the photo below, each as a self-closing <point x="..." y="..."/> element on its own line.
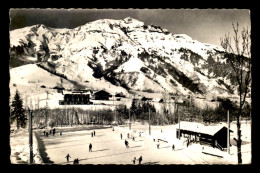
<point x="129" y="54"/>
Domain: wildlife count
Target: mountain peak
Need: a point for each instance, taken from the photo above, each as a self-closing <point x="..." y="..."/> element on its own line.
<point x="108" y="48"/>
<point x="129" y="19"/>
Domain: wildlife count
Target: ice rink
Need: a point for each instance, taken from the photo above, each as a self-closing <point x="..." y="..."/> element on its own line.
<point x="109" y="148"/>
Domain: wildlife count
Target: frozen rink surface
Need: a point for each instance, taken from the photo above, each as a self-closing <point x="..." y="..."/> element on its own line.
<point x="109" y="148"/>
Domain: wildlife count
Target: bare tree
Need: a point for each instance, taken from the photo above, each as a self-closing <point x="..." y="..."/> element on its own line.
<point x="239" y="55"/>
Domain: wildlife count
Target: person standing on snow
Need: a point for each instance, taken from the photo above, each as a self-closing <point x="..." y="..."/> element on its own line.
<point x="53" y="132"/>
<point x="126" y="144"/>
<point x="188" y="142"/>
<point x="140" y="160"/>
<point x="158" y="145"/>
<point x="90" y="148"/>
<point x="134" y="160"/>
<point x="173" y="147"/>
<point x="68" y="157"/>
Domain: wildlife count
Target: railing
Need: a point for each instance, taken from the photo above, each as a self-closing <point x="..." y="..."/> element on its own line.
<point x="219" y="146"/>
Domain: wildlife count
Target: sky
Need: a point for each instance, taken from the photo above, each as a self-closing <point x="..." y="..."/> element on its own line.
<point x="204" y="25"/>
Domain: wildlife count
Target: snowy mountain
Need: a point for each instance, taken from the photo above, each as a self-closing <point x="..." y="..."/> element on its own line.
<point x="125" y="55"/>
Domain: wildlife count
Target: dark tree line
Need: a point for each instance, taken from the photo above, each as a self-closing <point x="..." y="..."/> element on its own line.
<point x="140" y="110"/>
<point x="71" y="116"/>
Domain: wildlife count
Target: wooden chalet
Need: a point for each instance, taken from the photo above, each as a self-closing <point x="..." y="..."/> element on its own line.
<point x="120" y="95"/>
<point x="146" y="99"/>
<point x="215" y="136"/>
<point x="102" y="95"/>
<point x="59" y="89"/>
<point x="76" y="99"/>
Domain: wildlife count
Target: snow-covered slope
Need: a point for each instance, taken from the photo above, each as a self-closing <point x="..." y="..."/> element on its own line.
<point x="126" y="54"/>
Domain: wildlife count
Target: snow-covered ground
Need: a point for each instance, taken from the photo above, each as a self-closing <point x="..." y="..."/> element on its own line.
<point x="108" y="148"/>
<point x="19" y="143"/>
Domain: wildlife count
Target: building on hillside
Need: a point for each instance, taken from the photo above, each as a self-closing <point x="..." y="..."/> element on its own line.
<point x="59" y="89"/>
<point x="120" y="95"/>
<point x="146" y="99"/>
<point x="102" y="95"/>
<point x="215" y="136"/>
<point x="76" y="99"/>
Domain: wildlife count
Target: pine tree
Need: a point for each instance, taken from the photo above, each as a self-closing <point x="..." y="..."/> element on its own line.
<point x="18" y="112"/>
<point x="133" y="106"/>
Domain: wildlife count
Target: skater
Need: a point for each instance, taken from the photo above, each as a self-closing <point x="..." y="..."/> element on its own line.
<point x="134" y="160"/>
<point x="158" y="145"/>
<point x="90" y="147"/>
<point x="68" y="157"/>
<point x="161" y="130"/>
<point x="53" y="132"/>
<point x="50" y="132"/>
<point x="127" y="135"/>
<point x="140" y="159"/>
<point x="47" y="134"/>
<point x="76" y="161"/>
<point x="94" y="133"/>
<point x="126" y="144"/>
<point x="113" y="129"/>
<point x="121" y="135"/>
<point x="173" y="147"/>
<point x="44" y="132"/>
<point x="60" y="133"/>
<point x="188" y="142"/>
<point x="91" y="134"/>
<point x="133" y="138"/>
<point x="139" y="134"/>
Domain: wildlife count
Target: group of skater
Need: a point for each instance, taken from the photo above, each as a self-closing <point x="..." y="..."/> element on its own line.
<point x="158" y="144"/>
<point x="52" y="132"/>
<point x="128" y="136"/>
<point x="93" y="133"/>
<point x="76" y="161"/>
<point x="139" y="160"/>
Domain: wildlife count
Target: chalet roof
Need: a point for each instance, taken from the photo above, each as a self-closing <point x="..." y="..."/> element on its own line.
<point x="119" y="94"/>
<point x="145" y="99"/>
<point x="56" y="87"/>
<point x="102" y="92"/>
<point x="200" y="128"/>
